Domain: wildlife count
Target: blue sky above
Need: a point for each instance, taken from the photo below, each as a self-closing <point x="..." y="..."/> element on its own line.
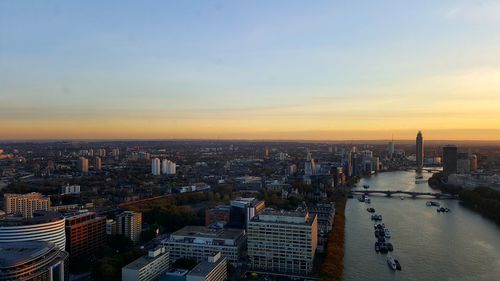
<point x="265" y="64"/>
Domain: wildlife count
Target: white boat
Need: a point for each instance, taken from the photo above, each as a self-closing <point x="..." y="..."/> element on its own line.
<point x="392" y="264"/>
<point x="402" y="197"/>
<point x="387" y="233"/>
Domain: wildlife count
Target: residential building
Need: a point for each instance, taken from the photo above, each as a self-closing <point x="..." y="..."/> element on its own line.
<point x="283" y="242"/>
<point x="168" y="167"/>
<point x="70" y="189"/>
<point x="83" y="165"/>
<point x="85" y="234"/>
<point x="199" y="242"/>
<point x="25" y="204"/>
<point x="32" y="261"/>
<point x="473" y="163"/>
<point x="213" y="269"/>
<point x="149" y="267"/>
<point x="326" y="215"/>
<point x="97" y="164"/>
<point x="155" y="167"/>
<point x="129" y="224"/>
<point x="111" y="227"/>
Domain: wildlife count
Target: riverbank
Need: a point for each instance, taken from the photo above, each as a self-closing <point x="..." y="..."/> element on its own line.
<point x="333" y="265"/>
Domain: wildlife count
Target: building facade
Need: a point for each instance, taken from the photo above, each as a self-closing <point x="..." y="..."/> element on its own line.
<point x="450" y="157"/>
<point x="283" y="242"/>
<point x="129" y="224"/>
<point x="198" y="242"/>
<point x="85" y="234"/>
<point x="43" y="226"/>
<point x="149" y="267"/>
<point x="213" y="269"/>
<point x="420" y="150"/>
<point x="32" y="261"/>
<point x="25" y="204"/>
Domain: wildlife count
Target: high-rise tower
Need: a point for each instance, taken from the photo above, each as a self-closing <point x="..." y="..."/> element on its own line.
<point x="420" y="150"/>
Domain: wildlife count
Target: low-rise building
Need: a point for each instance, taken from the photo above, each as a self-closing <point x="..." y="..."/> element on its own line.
<point x="148" y="267"/>
<point x="213" y="269"/>
<point x="199" y="242"/>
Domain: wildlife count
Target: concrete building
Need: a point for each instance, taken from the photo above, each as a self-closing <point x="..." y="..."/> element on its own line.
<point x="283" y="242"/>
<point x="326" y="214"/>
<point x="129" y="224"/>
<point x="149" y="267"/>
<point x="70" y="189"/>
<point x="25" y="204"/>
<point x="83" y="165"/>
<point x="473" y="163"/>
<point x="198" y="242"/>
<point x="168" y="167"/>
<point x="42" y="226"/>
<point x="155" y="167"/>
<point x="32" y="261"/>
<point x="213" y="269"/>
<point x="97" y="164"/>
<point x="243" y="210"/>
<point x="463" y="163"/>
<point x="450" y="156"/>
<point x="111" y="227"/>
<point x="85" y="234"/>
<point x="420" y="150"/>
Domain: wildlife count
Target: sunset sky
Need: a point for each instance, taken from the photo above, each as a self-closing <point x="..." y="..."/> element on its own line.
<point x="250" y="69"/>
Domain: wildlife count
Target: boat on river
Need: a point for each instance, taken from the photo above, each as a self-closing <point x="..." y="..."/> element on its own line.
<point x="432" y="203"/>
<point x="392" y="263"/>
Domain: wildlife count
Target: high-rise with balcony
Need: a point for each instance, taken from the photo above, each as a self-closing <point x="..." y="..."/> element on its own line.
<point x="85" y="234"/>
<point x="155" y="167"/>
<point x="25" y="204"/>
<point x="129" y="224"/>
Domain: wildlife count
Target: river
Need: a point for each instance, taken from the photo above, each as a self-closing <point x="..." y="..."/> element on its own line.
<point x="460" y="245"/>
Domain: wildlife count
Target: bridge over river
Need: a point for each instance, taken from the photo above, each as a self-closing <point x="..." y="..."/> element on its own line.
<point x="412" y="194"/>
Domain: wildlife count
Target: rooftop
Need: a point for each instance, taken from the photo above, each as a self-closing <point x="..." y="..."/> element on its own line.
<point x="194" y="231"/>
<point x="142" y="261"/>
<point x="205" y="267"/>
<point x="16" y="254"/>
<point x="38" y="217"/>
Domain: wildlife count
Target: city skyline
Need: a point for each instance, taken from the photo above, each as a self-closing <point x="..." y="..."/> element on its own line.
<point x="283" y="70"/>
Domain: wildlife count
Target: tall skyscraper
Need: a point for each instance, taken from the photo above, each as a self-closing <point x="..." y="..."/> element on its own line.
<point x="129" y="224"/>
<point x="473" y="163"/>
<point x="155" y="167"/>
<point x="390" y="149"/>
<point x="168" y="167"/>
<point x="83" y="165"/>
<point x="25" y="204"/>
<point x="420" y="150"/>
<point x="450" y="157"/>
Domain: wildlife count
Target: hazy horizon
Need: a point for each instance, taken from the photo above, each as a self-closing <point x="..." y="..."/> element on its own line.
<point x="274" y="70"/>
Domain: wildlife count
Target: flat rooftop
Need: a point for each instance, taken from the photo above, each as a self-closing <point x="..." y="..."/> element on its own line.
<point x="16" y="254"/>
<point x="281" y="216"/>
<point x="38" y="217"/>
<point x="195" y="231"/>
<point x="204" y="268"/>
<point x="142" y="262"/>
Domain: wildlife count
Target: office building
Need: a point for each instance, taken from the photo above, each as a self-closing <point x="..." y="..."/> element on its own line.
<point x="83" y="165"/>
<point x="390" y="149"/>
<point x="70" y="189"/>
<point x="149" y="267"/>
<point x="25" y="204"/>
<point x="168" y="167"/>
<point x="42" y="226"/>
<point x="243" y="210"/>
<point x="450" y="157"/>
<point x="213" y="269"/>
<point x="32" y="261"/>
<point x="420" y="150"/>
<point x="155" y="167"/>
<point x="97" y="164"/>
<point x="85" y="234"/>
<point x="129" y="224"/>
<point x="463" y="163"/>
<point x="283" y="242"/>
<point x="199" y="242"/>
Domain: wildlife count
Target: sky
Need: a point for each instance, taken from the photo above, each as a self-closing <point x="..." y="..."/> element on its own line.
<point x="312" y="70"/>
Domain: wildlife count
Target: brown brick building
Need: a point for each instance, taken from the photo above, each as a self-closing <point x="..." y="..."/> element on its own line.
<point x="85" y="233"/>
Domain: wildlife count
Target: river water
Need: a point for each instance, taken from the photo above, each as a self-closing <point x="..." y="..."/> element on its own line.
<point x="460" y="245"/>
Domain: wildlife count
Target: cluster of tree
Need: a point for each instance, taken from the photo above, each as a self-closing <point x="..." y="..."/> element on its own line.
<point x="168" y="216"/>
<point x="484" y="200"/>
<point x="333" y="265"/>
